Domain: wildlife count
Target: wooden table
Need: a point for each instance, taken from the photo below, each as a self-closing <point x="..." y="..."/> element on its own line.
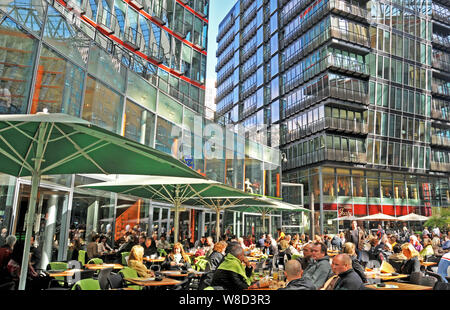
<point x="385" y="277"/>
<point x="178" y="274"/>
<point x="401" y="287"/>
<point x="65" y="273"/>
<point x="103" y="266"/>
<point x="164" y="282"/>
<point x="428" y="264"/>
<point x="154" y="260"/>
<point x="332" y="253"/>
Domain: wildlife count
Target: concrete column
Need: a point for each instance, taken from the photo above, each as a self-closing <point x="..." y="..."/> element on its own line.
<point x="49" y="232"/>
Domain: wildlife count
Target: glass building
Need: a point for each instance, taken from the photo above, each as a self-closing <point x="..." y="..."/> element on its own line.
<point x="355" y="93"/>
<point x="136" y="68"/>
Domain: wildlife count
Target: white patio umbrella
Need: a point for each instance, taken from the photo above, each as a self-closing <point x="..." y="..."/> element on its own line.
<point x="378" y="217"/>
<point x="346" y="218"/>
<point x="413" y="217"/>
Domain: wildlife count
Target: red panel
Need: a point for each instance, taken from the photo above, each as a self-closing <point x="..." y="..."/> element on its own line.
<point x="389" y="210"/>
<point x="402" y="210"/>
<point x="374" y="209"/>
<point x="330" y="206"/>
<point x="360" y="210"/>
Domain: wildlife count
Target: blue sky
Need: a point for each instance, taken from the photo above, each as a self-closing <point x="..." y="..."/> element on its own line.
<point x="217" y="11"/>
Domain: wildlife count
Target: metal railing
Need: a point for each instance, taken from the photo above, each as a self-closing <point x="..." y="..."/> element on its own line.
<point x="441" y="40"/>
<point x="440" y="140"/>
<point x="133" y="38"/>
<point x="225" y="28"/>
<point x="324" y="154"/>
<point x="444" y="167"/>
<point x="107" y="20"/>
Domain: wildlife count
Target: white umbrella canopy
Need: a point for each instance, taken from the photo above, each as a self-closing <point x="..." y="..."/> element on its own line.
<point x="378" y="217"/>
<point x="413" y="217"/>
<point x="346" y="218"/>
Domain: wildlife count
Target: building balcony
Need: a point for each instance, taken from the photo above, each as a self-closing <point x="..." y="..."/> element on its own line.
<point x="439" y="89"/>
<point x="244" y="74"/>
<point x="245" y="4"/>
<point x="248" y="35"/>
<point x="329" y="124"/>
<point x="247" y="92"/>
<point x="133" y="38"/>
<point x="156" y="53"/>
<point x="224" y="44"/>
<point x="247" y="18"/>
<point x="225" y="108"/>
<point x="224" y="59"/>
<point x="331" y="62"/>
<point x="442" y="167"/>
<point x="325" y="155"/>
<point x="440" y="141"/>
<point x="248" y="52"/>
<point x="226" y="27"/>
<point x="159" y="13"/>
<point x="441" y="42"/>
<point x="287" y="14"/>
<point x="224" y="92"/>
<point x="338" y="35"/>
<point x="442" y="16"/>
<point x="224" y="76"/>
<point x="333" y="92"/>
<point x="440" y="65"/>
<point x="248" y="111"/>
<point x="440" y="115"/>
<point x="107" y="21"/>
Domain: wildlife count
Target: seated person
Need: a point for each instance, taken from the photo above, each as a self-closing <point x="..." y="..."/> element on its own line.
<point x="412" y="263"/>
<point x="149" y="247"/>
<point x="320" y="270"/>
<point x="135" y="261"/>
<point x="293" y="273"/>
<point x="348" y="279"/>
<point x="92" y="247"/>
<point x="350" y="250"/>
<point x="443" y="266"/>
<point x="427" y="248"/>
<point x="217" y="256"/>
<point x="163" y="243"/>
<point x="235" y="271"/>
<point x="307" y="259"/>
<point x="177" y="259"/>
<point x="397" y="255"/>
<point x="127" y="246"/>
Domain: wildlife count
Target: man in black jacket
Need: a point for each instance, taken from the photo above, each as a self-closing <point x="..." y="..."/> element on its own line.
<point x="348" y="278"/>
<point x="293" y="272"/>
<point x="307" y="256"/>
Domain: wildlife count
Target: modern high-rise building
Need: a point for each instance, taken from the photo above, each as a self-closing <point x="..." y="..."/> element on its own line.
<point x="136" y="68"/>
<point x="356" y="95"/>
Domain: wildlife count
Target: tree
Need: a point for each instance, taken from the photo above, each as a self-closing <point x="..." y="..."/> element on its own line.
<point x="441" y="220"/>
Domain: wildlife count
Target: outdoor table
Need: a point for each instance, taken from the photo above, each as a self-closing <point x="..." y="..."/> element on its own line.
<point x="273" y="286"/>
<point x="332" y="253"/>
<point x="102" y="266"/>
<point x="384" y="276"/>
<point x="401" y="287"/>
<point x="428" y="264"/>
<point x="152" y="283"/>
<point x="178" y="274"/>
<point x="154" y="260"/>
<point x="63" y="273"/>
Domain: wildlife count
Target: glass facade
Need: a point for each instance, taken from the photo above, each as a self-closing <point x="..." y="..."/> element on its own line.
<point x="138" y="72"/>
<point x="354" y="88"/>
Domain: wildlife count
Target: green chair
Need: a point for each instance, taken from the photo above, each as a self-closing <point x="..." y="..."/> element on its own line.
<point x="58" y="266"/>
<point x="96" y="261"/>
<point x="82" y="257"/>
<point x="200" y="263"/>
<point x="87" y="285"/>
<point x="128" y="272"/>
<point x="124" y="255"/>
<point x="162" y="252"/>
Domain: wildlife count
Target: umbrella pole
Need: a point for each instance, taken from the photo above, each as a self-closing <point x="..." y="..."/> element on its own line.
<point x="217" y="225"/>
<point x="176" y="222"/>
<point x="35" y="180"/>
<point x="263" y="222"/>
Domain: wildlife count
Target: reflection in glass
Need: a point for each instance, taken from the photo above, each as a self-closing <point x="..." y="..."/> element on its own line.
<point x="139" y="124"/>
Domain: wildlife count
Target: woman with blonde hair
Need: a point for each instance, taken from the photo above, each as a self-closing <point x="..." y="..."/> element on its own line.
<point x="136" y="262"/>
<point x="412" y="262"/>
<point x="177" y="259"/>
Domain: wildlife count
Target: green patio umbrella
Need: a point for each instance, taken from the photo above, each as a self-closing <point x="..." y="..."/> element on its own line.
<point x="178" y="191"/>
<point x="249" y="203"/>
<point x="265" y="210"/>
<point x="49" y="144"/>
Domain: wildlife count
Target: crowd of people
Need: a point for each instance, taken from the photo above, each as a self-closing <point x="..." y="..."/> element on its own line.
<point x="304" y="261"/>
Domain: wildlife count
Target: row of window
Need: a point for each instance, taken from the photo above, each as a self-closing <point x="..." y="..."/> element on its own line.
<point x="441" y="86"/>
<point x="441" y="60"/>
<point x="397" y="126"/>
<point x="403" y="155"/>
<point x="400" y="99"/>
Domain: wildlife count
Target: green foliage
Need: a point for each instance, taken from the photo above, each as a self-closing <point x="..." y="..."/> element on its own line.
<point x="442" y="220"/>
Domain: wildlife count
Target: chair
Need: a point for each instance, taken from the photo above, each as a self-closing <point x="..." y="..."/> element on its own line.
<point x="373" y="264"/>
<point x="397" y="264"/>
<point x="441" y="286"/>
<point x="103" y="277"/>
<point x="184" y="285"/>
<point x="74" y="264"/>
<point x="435" y="275"/>
<point x="155" y="267"/>
<point x="82" y="257"/>
<point x="87" y="285"/>
<point x="128" y="272"/>
<point x="9" y="286"/>
<point x="115" y="281"/>
<point x="428" y="281"/>
<point x="95" y="261"/>
<point x="125" y="256"/>
<point x="415" y="277"/>
<point x="80" y="275"/>
<point x="58" y="266"/>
